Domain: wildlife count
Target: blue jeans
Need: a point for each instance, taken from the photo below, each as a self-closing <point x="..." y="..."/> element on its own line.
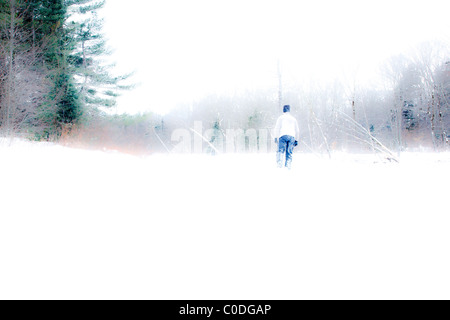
<point x="285" y="145"/>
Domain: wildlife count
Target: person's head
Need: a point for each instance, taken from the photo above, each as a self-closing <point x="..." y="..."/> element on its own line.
<point x="287" y="108"/>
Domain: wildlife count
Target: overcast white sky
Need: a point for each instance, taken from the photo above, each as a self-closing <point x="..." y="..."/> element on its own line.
<point x="184" y="49"/>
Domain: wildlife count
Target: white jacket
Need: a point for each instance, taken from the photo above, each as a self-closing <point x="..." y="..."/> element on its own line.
<point x="287" y="125"/>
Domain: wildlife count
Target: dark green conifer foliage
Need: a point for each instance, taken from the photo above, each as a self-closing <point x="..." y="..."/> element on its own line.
<point x="51" y="16"/>
<point x="95" y="85"/>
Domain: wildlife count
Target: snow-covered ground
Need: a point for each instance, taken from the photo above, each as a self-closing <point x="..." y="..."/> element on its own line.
<point x="77" y="224"/>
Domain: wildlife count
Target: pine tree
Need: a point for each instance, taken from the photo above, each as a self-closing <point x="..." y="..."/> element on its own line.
<point x="51" y="18"/>
<point x="95" y="85"/>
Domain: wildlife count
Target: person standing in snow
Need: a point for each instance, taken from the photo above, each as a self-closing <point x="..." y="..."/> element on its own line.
<point x="286" y="135"/>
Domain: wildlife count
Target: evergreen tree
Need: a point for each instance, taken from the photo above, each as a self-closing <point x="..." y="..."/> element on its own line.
<point x="95" y="85"/>
<point x="49" y="27"/>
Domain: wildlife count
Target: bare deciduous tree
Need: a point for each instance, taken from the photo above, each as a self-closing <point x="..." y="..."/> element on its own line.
<point x="24" y="83"/>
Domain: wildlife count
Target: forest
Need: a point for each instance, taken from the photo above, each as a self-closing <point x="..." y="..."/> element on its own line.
<point x="52" y="75"/>
<point x="55" y="85"/>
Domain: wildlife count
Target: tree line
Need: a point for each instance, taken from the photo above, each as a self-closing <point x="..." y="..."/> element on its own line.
<point x="52" y="74"/>
<point x="408" y="107"/>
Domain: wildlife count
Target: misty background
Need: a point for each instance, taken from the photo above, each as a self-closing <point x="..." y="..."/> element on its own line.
<point x="182" y="51"/>
<point x="359" y="76"/>
<point x="341" y="65"/>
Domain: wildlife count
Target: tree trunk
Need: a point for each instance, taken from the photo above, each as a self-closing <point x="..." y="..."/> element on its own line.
<point x="280" y="86"/>
<point x="431" y="112"/>
<point x="398" y="118"/>
<point x="33" y="31"/>
<point x="10" y="81"/>
<point x="83" y="50"/>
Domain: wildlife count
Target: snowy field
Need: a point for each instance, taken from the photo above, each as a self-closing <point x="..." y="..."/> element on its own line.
<point x="77" y="224"/>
